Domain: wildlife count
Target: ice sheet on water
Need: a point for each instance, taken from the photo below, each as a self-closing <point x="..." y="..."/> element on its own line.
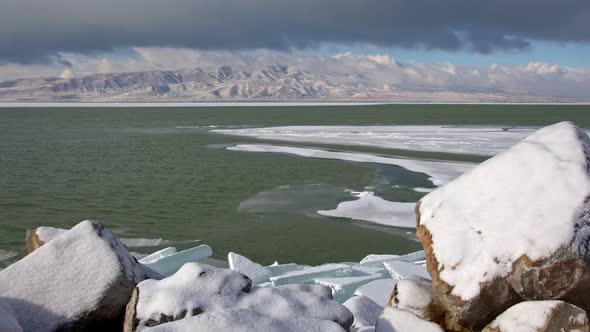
<point x="375" y="209"/>
<point x="377" y="257"/>
<point x="7" y="254"/>
<point x="411" y="257"/>
<point x="343" y="288"/>
<point x="308" y="275"/>
<point x="168" y="265"/>
<point x="278" y="269"/>
<point x="468" y="140"/>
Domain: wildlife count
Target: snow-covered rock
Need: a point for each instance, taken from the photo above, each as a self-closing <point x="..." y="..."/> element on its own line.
<point x="198" y="288"/>
<point x="397" y="320"/>
<point x="515" y="227"/>
<point x="379" y="290"/>
<point x="403" y="270"/>
<point x="36" y="237"/>
<point x="244" y="320"/>
<point x="167" y="265"/>
<point x="364" y="310"/>
<point x="256" y="272"/>
<point x="540" y="316"/>
<point x="417" y="296"/>
<point x="82" y="278"/>
<point x="317" y="290"/>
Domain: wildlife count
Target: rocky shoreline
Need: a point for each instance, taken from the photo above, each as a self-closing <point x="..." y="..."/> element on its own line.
<point x="506" y="249"/>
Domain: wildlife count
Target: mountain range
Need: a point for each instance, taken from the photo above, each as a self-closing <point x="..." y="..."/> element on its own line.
<point x="226" y="83"/>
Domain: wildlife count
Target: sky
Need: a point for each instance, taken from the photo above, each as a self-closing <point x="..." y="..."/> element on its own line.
<point x="71" y="38"/>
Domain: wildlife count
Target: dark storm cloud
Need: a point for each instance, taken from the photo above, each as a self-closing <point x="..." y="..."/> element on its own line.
<point x="35" y="30"/>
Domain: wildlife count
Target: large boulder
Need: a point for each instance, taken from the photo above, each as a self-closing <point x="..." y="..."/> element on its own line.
<point x="517" y="227"/>
<point x="397" y="320"/>
<point x="80" y="281"/>
<point x="200" y="289"/>
<point x="8" y="322"/>
<point x="36" y="237"/>
<point x="540" y="316"/>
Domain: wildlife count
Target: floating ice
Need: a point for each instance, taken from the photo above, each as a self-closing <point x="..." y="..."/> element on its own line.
<point x="343" y="288"/>
<point x="256" y="272"/>
<point x="168" y="265"/>
<point x="379" y="290"/>
<point x="376" y="257"/>
<point x="156" y="256"/>
<point x="7" y="254"/>
<point x="440" y="172"/>
<point x="411" y="257"/>
<point x="403" y="270"/>
<point x="467" y="140"/>
<point x="375" y="209"/>
<point x="278" y="269"/>
<point x="309" y="274"/>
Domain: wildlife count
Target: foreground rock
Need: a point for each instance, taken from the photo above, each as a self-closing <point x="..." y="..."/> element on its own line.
<point x="540" y="316"/>
<point x="515" y="228"/>
<point x="198" y="289"/>
<point x="36" y="237"/>
<point x="246" y="321"/>
<point x="80" y="281"/>
<point x="397" y="320"/>
<point x="8" y="322"/>
<point x="417" y="296"/>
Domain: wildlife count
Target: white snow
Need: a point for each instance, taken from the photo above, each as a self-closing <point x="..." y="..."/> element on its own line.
<point x="527" y="316"/>
<point x="67" y="277"/>
<point x="397" y="320"/>
<point x="156" y="256"/>
<point x="309" y="274"/>
<point x="379" y="290"/>
<point x="375" y="209"/>
<point x="365" y="310"/>
<point x="529" y="199"/>
<point x="440" y="172"/>
<point x="452" y="139"/>
<point x="47" y="234"/>
<point x="413" y="296"/>
<point x="403" y="270"/>
<point x="245" y="321"/>
<point x="208" y="289"/>
<point x="256" y="272"/>
<point x="169" y="264"/>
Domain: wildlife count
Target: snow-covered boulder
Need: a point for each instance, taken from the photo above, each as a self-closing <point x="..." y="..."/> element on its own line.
<point x="81" y="279"/>
<point x="515" y="227"/>
<point x="417" y="296"/>
<point x="364" y="310"/>
<point x="197" y="288"/>
<point x="317" y="290"/>
<point x="397" y="320"/>
<point x="540" y="316"/>
<point x="256" y="272"/>
<point x="244" y="320"/>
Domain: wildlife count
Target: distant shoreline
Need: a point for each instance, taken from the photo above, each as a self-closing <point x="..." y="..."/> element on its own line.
<point x="257" y="104"/>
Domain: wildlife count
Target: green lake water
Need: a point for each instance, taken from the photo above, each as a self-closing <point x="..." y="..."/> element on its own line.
<point x="158" y="172"/>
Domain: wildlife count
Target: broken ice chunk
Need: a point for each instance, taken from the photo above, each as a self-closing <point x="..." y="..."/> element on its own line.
<point x="379" y="290"/>
<point x="402" y="270"/>
<point x="256" y="272"/>
<point x="156" y="256"/>
<point x="375" y="257"/>
<point x="168" y="265"/>
<point x="308" y="275"/>
<point x="278" y="269"/>
<point x="343" y="288"/>
<point x="411" y="257"/>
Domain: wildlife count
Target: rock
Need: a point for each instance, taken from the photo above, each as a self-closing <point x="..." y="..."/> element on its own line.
<point x="397" y="320"/>
<point x="200" y="289"/>
<point x="364" y="310"/>
<point x="540" y="316"/>
<point x="491" y="243"/>
<point x="256" y="272"/>
<point x="244" y="320"/>
<point x="80" y="281"/>
<point x="417" y="296"/>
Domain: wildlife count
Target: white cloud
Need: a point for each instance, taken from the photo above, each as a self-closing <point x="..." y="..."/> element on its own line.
<point x="377" y="70"/>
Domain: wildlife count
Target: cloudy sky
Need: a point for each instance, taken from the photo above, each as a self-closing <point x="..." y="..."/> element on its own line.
<point x="541" y="42"/>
